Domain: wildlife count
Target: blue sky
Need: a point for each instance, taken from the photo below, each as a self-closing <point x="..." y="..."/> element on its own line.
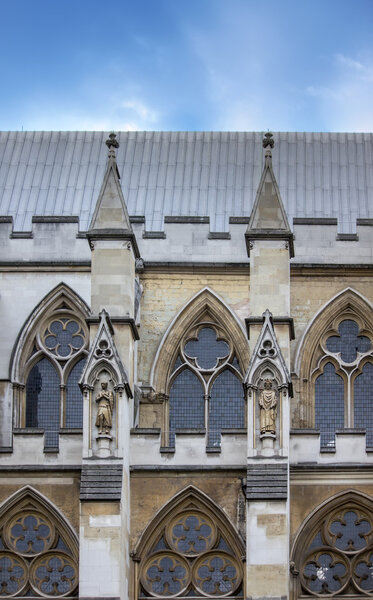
<point x="304" y="65"/>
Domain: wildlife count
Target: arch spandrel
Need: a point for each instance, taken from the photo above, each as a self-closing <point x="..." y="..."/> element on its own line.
<point x="206" y="307"/>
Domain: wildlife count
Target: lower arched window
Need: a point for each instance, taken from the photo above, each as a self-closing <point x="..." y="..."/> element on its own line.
<point x="333" y="553"/>
<point x="191" y="553"/>
<point x="38" y="552"/>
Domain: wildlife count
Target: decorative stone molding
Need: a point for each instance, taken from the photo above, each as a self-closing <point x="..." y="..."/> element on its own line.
<point x="206" y="307"/>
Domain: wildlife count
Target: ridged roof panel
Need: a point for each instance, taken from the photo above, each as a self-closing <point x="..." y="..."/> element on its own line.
<point x="213" y="174"/>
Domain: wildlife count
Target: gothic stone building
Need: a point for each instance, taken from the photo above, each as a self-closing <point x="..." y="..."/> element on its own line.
<point x="186" y="385"/>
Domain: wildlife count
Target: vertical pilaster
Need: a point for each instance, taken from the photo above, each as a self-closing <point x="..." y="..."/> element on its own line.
<point x="108" y="383"/>
<point x="270" y="246"/>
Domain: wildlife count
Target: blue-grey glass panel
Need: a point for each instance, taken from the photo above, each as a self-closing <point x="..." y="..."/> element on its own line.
<point x="55" y="576"/>
<point x="363" y="402"/>
<point x="236" y="364"/>
<point x="74" y="397"/>
<point x="64" y="336"/>
<point x="350" y="531"/>
<point x="12" y="575"/>
<point x="316" y="542"/>
<point x="325" y="574"/>
<point x="166" y="578"/>
<point x="364" y="571"/>
<point x="160" y="545"/>
<point x="217" y="577"/>
<point x="187" y="410"/>
<point x="348" y="343"/>
<point x="30" y="536"/>
<point x="207" y="349"/>
<point x="191" y="536"/>
<point x="226" y="406"/>
<point x="43" y="401"/>
<point x="329" y="405"/>
<point x="177" y="364"/>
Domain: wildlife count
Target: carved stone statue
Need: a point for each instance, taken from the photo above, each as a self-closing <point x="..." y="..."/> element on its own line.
<point x="268" y="408"/>
<point x="105" y="401"/>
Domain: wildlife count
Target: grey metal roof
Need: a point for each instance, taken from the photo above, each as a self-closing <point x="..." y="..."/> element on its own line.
<point x="213" y="174"/>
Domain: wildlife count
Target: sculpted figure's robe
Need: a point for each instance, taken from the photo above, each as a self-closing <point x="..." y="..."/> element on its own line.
<point x="268" y="407"/>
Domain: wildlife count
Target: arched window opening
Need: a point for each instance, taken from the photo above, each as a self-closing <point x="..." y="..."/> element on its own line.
<point x="38" y="553"/>
<point x="329" y="405"/>
<point x="343" y="380"/>
<point x="43" y="401"/>
<point x="363" y="396"/>
<point x="206" y="388"/>
<point x="226" y="406"/>
<point x="191" y="554"/>
<point x="187" y="407"/>
<point x="51" y="354"/>
<point x="333" y="554"/>
<point x="74" y="398"/>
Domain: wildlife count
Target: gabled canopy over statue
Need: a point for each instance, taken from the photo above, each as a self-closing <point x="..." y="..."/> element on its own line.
<point x="268" y="408"/>
<point x="105" y="401"/>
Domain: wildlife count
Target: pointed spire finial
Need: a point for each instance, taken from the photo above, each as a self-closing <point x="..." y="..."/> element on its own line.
<point x="268" y="143"/>
<point x="112" y="143"/>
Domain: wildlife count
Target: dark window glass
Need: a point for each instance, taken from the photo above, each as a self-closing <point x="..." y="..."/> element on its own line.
<point x="187" y="409"/>
<point x="348" y="343"/>
<point x="43" y="401"/>
<point x="74" y="398"/>
<point x="329" y="405"/>
<point x="207" y="349"/>
<point x="363" y="402"/>
<point x="226" y="406"/>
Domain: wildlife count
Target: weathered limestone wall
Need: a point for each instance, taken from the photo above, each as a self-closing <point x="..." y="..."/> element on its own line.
<point x="309" y="488"/>
<point x="167" y="291"/>
<point x="61" y="489"/>
<point x="151" y="490"/>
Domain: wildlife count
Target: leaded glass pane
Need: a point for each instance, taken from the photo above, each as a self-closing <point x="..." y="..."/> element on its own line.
<point x="43" y="401"/>
<point x="329" y="405"/>
<point x="349" y="531"/>
<point x="226" y="407"/>
<point x="207" y="349"/>
<point x="348" y="343"/>
<point x="186" y="402"/>
<point x="74" y="398"/>
<point x="363" y="402"/>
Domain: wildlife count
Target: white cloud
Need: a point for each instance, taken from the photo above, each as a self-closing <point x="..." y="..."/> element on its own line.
<point x="146" y="114"/>
<point x="346" y="101"/>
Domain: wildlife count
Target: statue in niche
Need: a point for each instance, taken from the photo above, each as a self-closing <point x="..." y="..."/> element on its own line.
<point x="105" y="402"/>
<point x="268" y="408"/>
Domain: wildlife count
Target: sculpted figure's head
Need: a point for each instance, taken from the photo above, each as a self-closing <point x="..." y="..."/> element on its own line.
<point x="268" y="384"/>
<point x="104" y="385"/>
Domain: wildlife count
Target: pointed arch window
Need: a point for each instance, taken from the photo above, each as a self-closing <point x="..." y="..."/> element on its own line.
<point x="38" y="551"/>
<point x="205" y="389"/>
<point x="51" y="356"/>
<point x="343" y="380"/>
<point x="333" y="552"/>
<point x="190" y="552"/>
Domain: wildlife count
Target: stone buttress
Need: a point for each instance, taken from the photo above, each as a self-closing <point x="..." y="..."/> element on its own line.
<point x="270" y="246"/>
<point x="107" y="383"/>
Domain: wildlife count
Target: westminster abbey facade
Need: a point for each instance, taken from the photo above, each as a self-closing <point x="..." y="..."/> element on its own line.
<point x="186" y="385"/>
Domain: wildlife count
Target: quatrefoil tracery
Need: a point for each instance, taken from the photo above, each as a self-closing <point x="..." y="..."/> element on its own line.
<point x="341" y="555"/>
<point x="347" y="344"/>
<point x="193" y="565"/>
<point x="34" y="559"/>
